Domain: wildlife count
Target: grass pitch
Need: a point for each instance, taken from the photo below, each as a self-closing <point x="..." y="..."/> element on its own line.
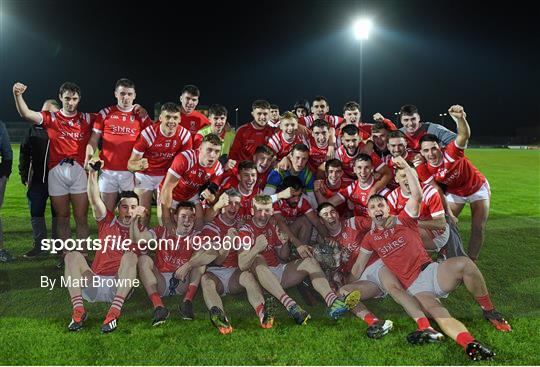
<point x="33" y="321"/>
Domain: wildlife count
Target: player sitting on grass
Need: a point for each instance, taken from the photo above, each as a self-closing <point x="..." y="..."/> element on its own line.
<point x="109" y="263"/>
<point x="160" y="277"/>
<point x="397" y="242"/>
<point x="265" y="259"/>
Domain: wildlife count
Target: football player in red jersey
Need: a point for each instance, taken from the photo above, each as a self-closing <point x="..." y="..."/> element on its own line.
<point x="397" y="242"/>
<point x="154" y="151"/>
<point x="192" y="119"/>
<point x="249" y="136"/>
<point x="166" y="275"/>
<point x="263" y="258"/>
<point x="118" y="127"/>
<point x="274" y="116"/>
<point x="68" y="131"/>
<point x="318" y="144"/>
<point x="188" y="172"/>
<point x="348" y="234"/>
<point x="286" y="137"/>
<point x="224" y="276"/>
<point x="112" y="263"/>
<point x="464" y="183"/>
<point x="333" y="183"/>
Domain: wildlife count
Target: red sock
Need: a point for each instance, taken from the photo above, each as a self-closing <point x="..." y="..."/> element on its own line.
<point x="114" y="311"/>
<point x="485" y="302"/>
<point x="260" y="311"/>
<point x="370" y="319"/>
<point x="464" y="338"/>
<point x="423" y="323"/>
<point x="156" y="300"/>
<point x="286" y="301"/>
<point x="77" y="303"/>
<point x="191" y="292"/>
<point x="330" y="298"/>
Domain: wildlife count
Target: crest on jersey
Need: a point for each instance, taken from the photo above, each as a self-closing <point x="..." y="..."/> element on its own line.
<point x="345" y="235"/>
<point x="132" y="118"/>
<point x="193" y="123"/>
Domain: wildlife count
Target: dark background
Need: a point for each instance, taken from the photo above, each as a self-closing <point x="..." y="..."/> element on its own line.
<point x="432" y="54"/>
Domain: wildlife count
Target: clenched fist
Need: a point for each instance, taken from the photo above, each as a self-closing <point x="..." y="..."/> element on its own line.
<point x="18" y="89"/>
<point x="457" y="112"/>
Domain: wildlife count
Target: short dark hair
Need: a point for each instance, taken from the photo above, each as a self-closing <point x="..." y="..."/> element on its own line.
<point x="378" y="126"/>
<point x="429" y="137"/>
<point x="70" y="87"/>
<point x="190" y="89"/>
<point x="301" y="148"/>
<point x="217" y="110"/>
<point x="376" y="197"/>
<point x="408" y="109"/>
<point x="274" y="107"/>
<point x="350" y="129"/>
<point x="124" y="82"/>
<point x="54" y="102"/>
<point x="260" y="103"/>
<point x="320" y="123"/>
<point x="244" y="165"/>
<point x="264" y="149"/>
<point x="294" y="182"/>
<point x="363" y="157"/>
<point x="351" y="106"/>
<point x="332" y="163"/>
<point x="126" y="195"/>
<point x="320" y="98"/>
<point x="212" y="139"/>
<point x="185" y="204"/>
<point x="324" y="205"/>
<point x="170" y="107"/>
<point x="233" y="192"/>
<point x="396" y="134"/>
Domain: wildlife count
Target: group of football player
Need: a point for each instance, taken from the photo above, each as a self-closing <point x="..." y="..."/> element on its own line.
<point x="344" y="210"/>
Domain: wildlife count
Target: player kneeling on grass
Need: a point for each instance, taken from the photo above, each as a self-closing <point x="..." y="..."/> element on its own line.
<point x="265" y="257"/>
<point x="163" y="276"/>
<point x="224" y="276"/>
<point x="110" y="263"/>
<point x="348" y="234"/>
<point x="397" y="242"/>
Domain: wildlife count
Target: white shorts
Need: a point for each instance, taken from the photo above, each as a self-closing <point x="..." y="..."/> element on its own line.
<point x="427" y="282"/>
<point x="99" y="294"/>
<point x="483" y="193"/>
<point x="371" y="274"/>
<point x="278" y="271"/>
<point x="67" y="179"/>
<point x="181" y="289"/>
<point x="116" y="181"/>
<point x="224" y="275"/>
<point x="147" y="182"/>
<point x="440" y="240"/>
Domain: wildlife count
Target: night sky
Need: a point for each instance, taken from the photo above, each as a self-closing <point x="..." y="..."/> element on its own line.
<point x="431" y="54"/>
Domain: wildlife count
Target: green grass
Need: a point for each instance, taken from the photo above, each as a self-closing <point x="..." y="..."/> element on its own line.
<point x="33" y="320"/>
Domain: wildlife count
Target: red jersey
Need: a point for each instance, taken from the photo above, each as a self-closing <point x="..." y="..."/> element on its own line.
<point x="119" y="130"/>
<point x="328" y="192"/>
<point x="107" y="259"/>
<point x="247" y="139"/>
<point x="172" y="256"/>
<point x="349" y="239"/>
<point x="348" y="160"/>
<point x="317" y="156"/>
<point x="288" y="212"/>
<point x="159" y="149"/>
<point x="430" y="208"/>
<point x="400" y="248"/>
<point x="333" y="121"/>
<point x="193" y="121"/>
<point x="191" y="174"/>
<point x="281" y="146"/>
<point x="247" y="199"/>
<point x="358" y="195"/>
<point x="230" y="178"/>
<point x="387" y="159"/>
<point x="459" y="175"/>
<point x="218" y="228"/>
<point x="252" y="231"/>
<point x="68" y="135"/>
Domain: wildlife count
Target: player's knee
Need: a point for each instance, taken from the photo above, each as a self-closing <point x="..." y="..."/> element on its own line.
<point x="72" y="258"/>
<point x="144" y="262"/>
<point x="129" y="259"/>
<point x="247" y="279"/>
<point x="206" y="281"/>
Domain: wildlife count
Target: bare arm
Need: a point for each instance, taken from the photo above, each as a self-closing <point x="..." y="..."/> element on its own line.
<point x="434" y="223"/>
<point x="91" y="148"/>
<point x="137" y="163"/>
<point x="166" y="198"/>
<point x="25" y="112"/>
<point x="386" y="176"/>
<point x="463" y="130"/>
<point x="246" y="257"/>
<point x="135" y="233"/>
<point x="98" y="207"/>
<point x="360" y="264"/>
